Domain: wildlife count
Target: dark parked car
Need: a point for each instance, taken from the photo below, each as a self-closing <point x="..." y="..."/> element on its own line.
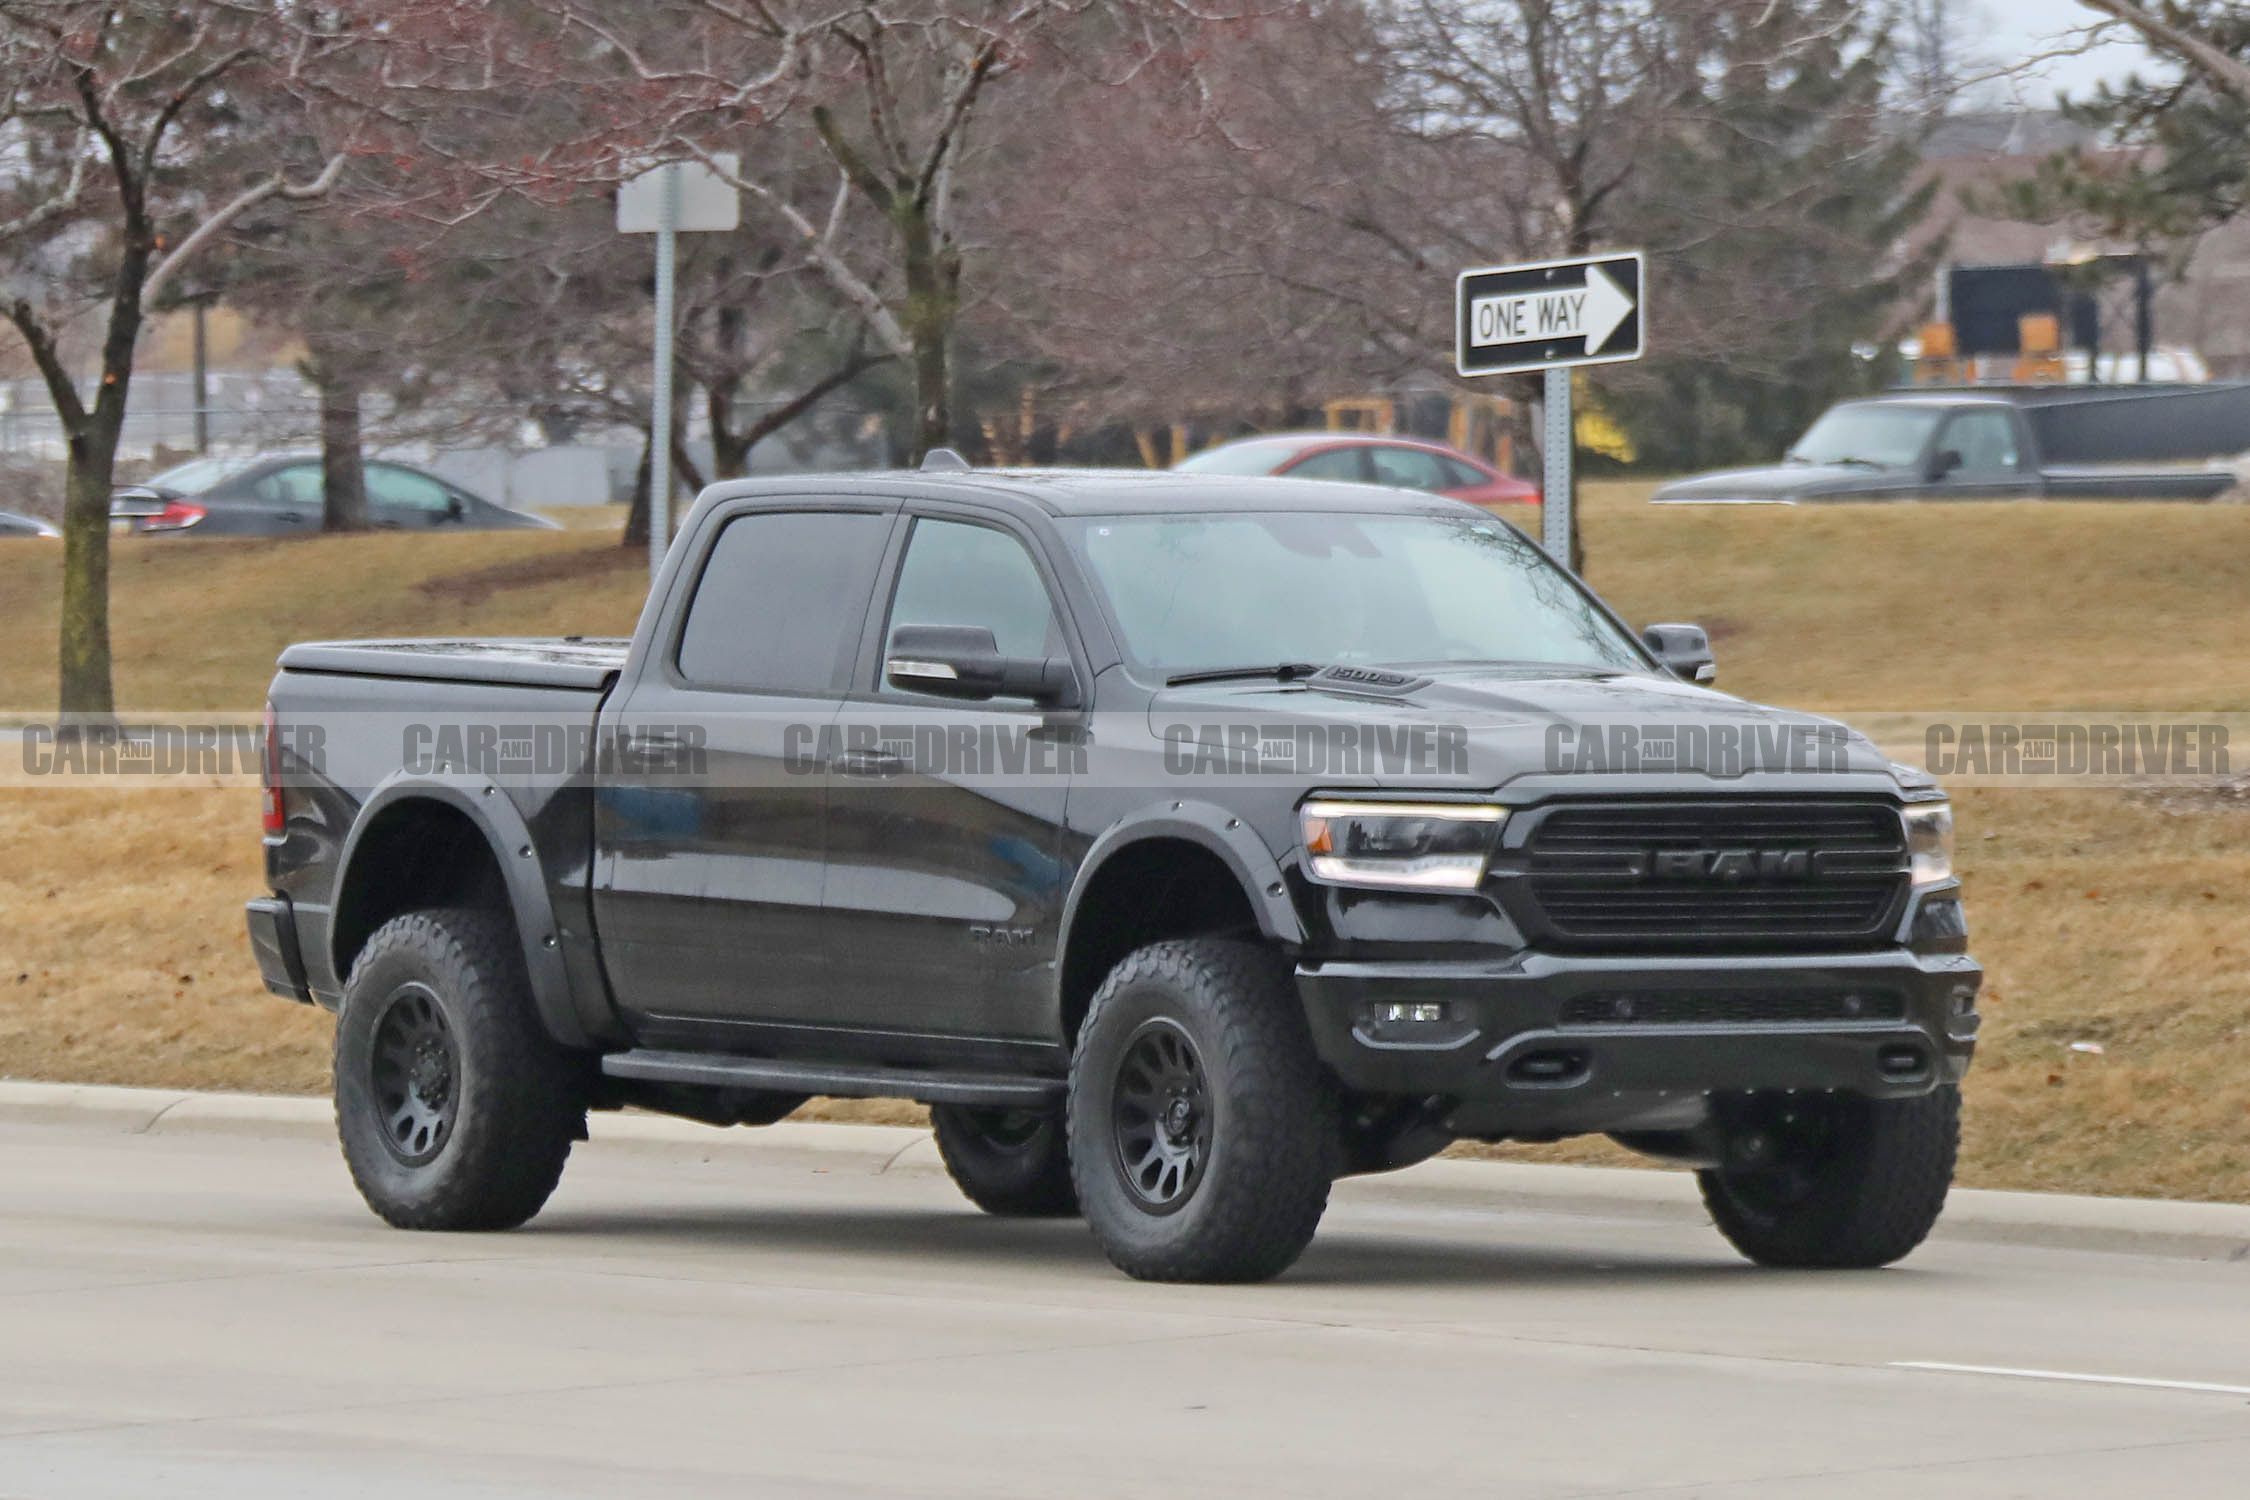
<point x="279" y="494"/>
<point x="14" y="525"/>
<point x="1403" y="463"/>
<point x="1061" y="803"/>
<point x="1968" y="446"/>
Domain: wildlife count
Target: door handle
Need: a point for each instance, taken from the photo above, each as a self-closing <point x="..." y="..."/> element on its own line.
<point x="868" y="763"/>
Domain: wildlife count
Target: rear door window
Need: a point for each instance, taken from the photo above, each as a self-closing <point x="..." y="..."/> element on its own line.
<point x="1336" y="463"/>
<point x="1408" y="468"/>
<point x="780" y="603"/>
<point x="297" y="486"/>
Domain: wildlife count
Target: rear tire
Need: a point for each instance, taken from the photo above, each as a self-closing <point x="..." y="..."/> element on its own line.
<point x="1013" y="1163"/>
<point x="1204" y="1132"/>
<point x="1834" y="1180"/>
<point x="455" y="1108"/>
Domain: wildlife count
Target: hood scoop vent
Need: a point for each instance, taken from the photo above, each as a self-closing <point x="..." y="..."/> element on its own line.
<point x="1375" y="682"/>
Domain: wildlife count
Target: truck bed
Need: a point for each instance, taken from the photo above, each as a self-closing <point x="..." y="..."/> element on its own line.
<point x="581" y="663"/>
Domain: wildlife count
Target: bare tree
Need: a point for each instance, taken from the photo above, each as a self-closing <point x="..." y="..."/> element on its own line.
<point x="1237" y="245"/>
<point x="885" y="96"/>
<point x="123" y="155"/>
<point x="2190" y="32"/>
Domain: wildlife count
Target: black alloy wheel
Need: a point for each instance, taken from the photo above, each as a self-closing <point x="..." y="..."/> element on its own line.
<point x="1161" y="1105"/>
<point x="413" y="1069"/>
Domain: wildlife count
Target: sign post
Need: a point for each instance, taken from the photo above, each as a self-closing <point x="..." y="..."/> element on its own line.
<point x="1550" y="315"/>
<point x="1557" y="448"/>
<point x="665" y="201"/>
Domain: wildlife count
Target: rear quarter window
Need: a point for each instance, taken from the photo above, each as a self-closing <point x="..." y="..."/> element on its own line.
<point x="780" y="602"/>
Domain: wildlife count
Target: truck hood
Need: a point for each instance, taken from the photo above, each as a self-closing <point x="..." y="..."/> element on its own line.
<point x="1778" y="484"/>
<point x="1518" y="724"/>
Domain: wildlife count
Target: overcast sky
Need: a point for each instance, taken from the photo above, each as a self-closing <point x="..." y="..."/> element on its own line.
<point x="2011" y="30"/>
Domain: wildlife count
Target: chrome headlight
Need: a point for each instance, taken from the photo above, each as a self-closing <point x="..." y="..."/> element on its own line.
<point x="1422" y="846"/>
<point x="1929" y="841"/>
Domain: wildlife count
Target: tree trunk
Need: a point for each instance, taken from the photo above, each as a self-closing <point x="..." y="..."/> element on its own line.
<point x="730" y="448"/>
<point x="636" y="514"/>
<point x="84" y="660"/>
<point x="932" y="291"/>
<point x="933" y="399"/>
<point x="86" y="685"/>
<point x="685" y="471"/>
<point x="343" y="470"/>
<point x="644" y="485"/>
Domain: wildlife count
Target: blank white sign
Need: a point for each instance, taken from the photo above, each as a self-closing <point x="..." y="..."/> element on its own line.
<point x="708" y="202"/>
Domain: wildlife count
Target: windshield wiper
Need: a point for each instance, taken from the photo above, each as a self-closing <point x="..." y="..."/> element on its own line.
<point x="1288" y="671"/>
<point x="1845" y="460"/>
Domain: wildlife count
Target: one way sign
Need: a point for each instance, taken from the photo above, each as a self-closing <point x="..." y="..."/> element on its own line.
<point x="1548" y="315"/>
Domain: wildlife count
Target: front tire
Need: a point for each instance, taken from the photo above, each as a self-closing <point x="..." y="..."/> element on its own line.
<point x="1834" y="1180"/>
<point x="1204" y="1132"/>
<point x="455" y="1108"/>
<point x="1013" y="1163"/>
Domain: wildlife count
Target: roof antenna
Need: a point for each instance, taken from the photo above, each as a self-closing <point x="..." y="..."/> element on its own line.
<point x="942" y="459"/>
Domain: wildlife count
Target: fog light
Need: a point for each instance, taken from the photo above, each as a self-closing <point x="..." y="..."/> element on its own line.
<point x="1421" y="1014"/>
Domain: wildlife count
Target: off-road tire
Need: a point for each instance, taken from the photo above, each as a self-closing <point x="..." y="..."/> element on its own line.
<point x="1274" y="1125"/>
<point x="1871" y="1195"/>
<point x="517" y="1099"/>
<point x="1007" y="1162"/>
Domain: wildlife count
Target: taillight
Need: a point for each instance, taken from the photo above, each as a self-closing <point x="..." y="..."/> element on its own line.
<point x="177" y="515"/>
<point x="269" y="773"/>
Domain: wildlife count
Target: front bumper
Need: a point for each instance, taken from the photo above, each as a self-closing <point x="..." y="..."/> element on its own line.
<point x="273" y="938"/>
<point x="1543" y="1042"/>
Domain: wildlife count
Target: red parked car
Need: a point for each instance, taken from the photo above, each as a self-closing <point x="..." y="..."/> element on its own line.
<point x="1368" y="458"/>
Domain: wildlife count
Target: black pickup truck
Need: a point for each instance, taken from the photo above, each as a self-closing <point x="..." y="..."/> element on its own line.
<point x="1184" y="841"/>
<point x="2036" y="443"/>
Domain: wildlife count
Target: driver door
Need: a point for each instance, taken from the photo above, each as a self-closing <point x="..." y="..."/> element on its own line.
<point x="1991" y="466"/>
<point x="945" y="884"/>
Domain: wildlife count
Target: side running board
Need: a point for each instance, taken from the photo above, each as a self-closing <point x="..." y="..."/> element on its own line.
<point x="842" y="1080"/>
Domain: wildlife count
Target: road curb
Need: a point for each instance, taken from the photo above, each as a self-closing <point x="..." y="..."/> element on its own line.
<point x="2139" y="1226"/>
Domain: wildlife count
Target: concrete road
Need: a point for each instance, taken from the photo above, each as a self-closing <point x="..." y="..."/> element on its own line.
<point x="205" y="1315"/>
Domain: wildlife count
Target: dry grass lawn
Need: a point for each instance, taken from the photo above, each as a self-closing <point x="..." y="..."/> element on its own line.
<point x="2103" y="918"/>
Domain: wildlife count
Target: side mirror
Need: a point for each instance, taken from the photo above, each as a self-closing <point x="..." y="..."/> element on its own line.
<point x="964" y="661"/>
<point x="454" y="509"/>
<point x="1684" y="650"/>
<point x="135" y="502"/>
<point x="1943" y="463"/>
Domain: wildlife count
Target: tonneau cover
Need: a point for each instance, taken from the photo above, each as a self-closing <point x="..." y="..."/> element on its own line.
<point x="581" y="662"/>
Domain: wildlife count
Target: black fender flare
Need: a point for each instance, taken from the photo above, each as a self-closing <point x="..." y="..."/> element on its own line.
<point x="1210" y="827"/>
<point x="504" y="831"/>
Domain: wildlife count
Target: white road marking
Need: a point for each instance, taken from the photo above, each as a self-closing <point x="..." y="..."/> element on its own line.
<point x="2208" y="1387"/>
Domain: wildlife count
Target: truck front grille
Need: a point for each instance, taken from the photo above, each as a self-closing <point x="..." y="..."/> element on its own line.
<point x="1741" y="874"/>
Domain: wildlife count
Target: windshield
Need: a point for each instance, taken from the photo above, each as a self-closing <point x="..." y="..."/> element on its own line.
<point x="198" y="474"/>
<point x="1892" y="436"/>
<point x="1202" y="592"/>
<point x="1239" y="458"/>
